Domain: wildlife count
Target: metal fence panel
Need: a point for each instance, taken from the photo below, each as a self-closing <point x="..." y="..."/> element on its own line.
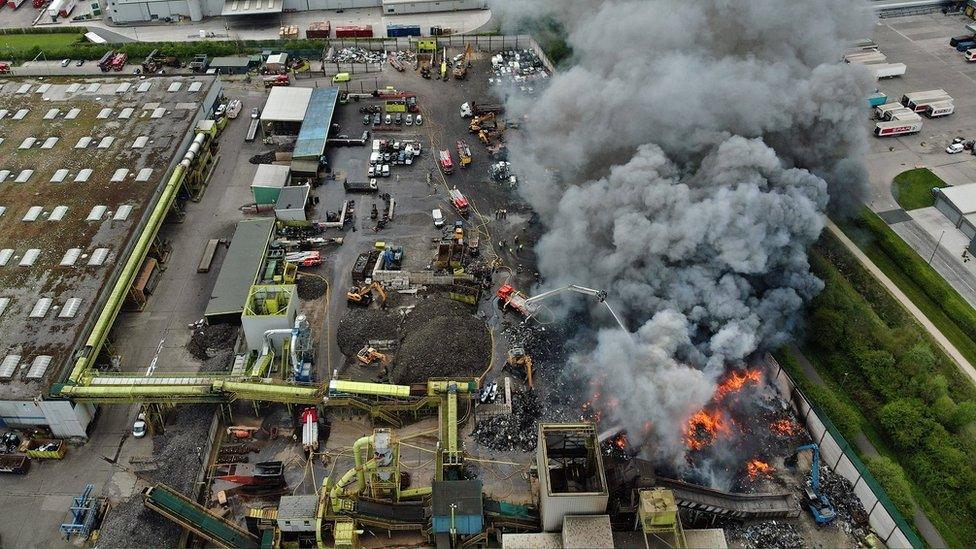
<point x="846" y="468"/>
<point x="864" y="493"/>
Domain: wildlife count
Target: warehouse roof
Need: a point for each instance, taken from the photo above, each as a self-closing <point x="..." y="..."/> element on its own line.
<point x="292" y="198"/>
<point x="271" y="175"/>
<point x="587" y="532"/>
<point x="251" y="7"/>
<point x="230" y="61"/>
<point x="963" y="197"/>
<point x="286" y="104"/>
<point x="240" y="269"/>
<point x="544" y="540"/>
<point x="71" y="225"/>
<point x="318" y="120"/>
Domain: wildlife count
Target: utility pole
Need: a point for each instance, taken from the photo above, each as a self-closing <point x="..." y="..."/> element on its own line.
<point x="936" y="248"/>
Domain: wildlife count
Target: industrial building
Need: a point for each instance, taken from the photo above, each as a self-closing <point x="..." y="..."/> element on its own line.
<point x="958" y="204"/>
<point x="240" y="270"/>
<point x="132" y="11"/>
<point x="83" y="163"/>
<point x="285" y="109"/>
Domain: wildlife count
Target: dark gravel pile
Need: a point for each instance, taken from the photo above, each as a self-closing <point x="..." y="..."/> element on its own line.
<point x="450" y="344"/>
<point x="208" y="339"/>
<point x="768" y="535"/>
<point x="517" y="431"/>
<point x="358" y="326"/>
<point x="311" y="287"/>
<point x="263" y="158"/>
<point x="178" y="459"/>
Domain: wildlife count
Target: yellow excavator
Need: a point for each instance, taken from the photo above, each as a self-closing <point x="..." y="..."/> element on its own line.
<point x="520" y="362"/>
<point x="369" y="355"/>
<point x="486" y="135"/>
<point x="477" y="121"/>
<point x="363" y="295"/>
<point x="461" y="69"/>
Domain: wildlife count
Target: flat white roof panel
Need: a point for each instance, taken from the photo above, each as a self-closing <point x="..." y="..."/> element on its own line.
<point x="83" y="175"/>
<point x="70" y="257"/>
<point x="963" y="197"/>
<point x="24" y="175"/>
<point x="158" y="112"/>
<point x="43" y="88"/>
<point x="93" y="87"/>
<point x="4" y="174"/>
<point x="98" y="257"/>
<point x="20" y="114"/>
<point x="24" y="88"/>
<point x="49" y="143"/>
<point x="39" y="367"/>
<point x="72" y="114"/>
<point x="4" y="302"/>
<point x="119" y="175"/>
<point x="126" y="113"/>
<point x="57" y="214"/>
<point x="83" y="142"/>
<point x="51" y="114"/>
<point x="30" y="256"/>
<point x="195" y="86"/>
<point x="59" y="176"/>
<point x="5" y="255"/>
<point x="70" y="308"/>
<point x="286" y="104"/>
<point x="9" y="366"/>
<point x="106" y="142"/>
<point x="144" y="175"/>
<point x="96" y="213"/>
<point x="122" y="213"/>
<point x="73" y="88"/>
<point x="27" y="143"/>
<point x="140" y="142"/>
<point x="144" y="87"/>
<point x="104" y="113"/>
<point x="123" y="87"/>
<point x="33" y="213"/>
<point x="174" y="87"/>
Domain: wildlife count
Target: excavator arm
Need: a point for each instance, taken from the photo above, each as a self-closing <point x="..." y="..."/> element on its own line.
<point x="600" y="295"/>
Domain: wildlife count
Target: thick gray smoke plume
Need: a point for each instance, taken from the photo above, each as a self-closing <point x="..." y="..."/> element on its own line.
<point x="683" y="162"/>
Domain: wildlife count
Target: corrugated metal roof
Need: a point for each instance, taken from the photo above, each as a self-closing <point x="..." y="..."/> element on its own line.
<point x="39" y="367"/>
<point x="50" y="142"/>
<point x="57" y="214"/>
<point x="40" y="307"/>
<point x="59" y="175"/>
<point x="70" y="257"/>
<point x="122" y="213"/>
<point x="140" y="142"/>
<point x="96" y="213"/>
<point x="104" y="113"/>
<point x="23" y="176"/>
<point x="9" y="366"/>
<point x="144" y="174"/>
<point x="70" y="308"/>
<point x="286" y="104"/>
<point x="316" y="124"/>
<point x="5" y="255"/>
<point x="119" y="175"/>
<point x="240" y="268"/>
<point x="72" y="114"/>
<point x="30" y="256"/>
<point x="51" y="114"/>
<point x="83" y="175"/>
<point x="33" y="213"/>
<point x="4" y="302"/>
<point x="106" y="142"/>
<point x="98" y="257"/>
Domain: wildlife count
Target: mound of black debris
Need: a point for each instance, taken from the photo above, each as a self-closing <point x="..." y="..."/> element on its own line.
<point x="840" y="493"/>
<point x="767" y="535"/>
<point x="514" y="432"/>
<point x="358" y="326"/>
<point x="209" y="339"/>
<point x="311" y="287"/>
<point x="442" y="338"/>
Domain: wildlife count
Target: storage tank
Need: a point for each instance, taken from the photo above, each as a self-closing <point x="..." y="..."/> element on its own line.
<point x="572" y="480"/>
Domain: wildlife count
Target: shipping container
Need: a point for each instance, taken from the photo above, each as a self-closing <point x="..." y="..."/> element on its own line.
<point x="888" y="70"/>
<point x="354" y="31"/>
<point x="318" y="30"/>
<point x="43" y="448"/>
<point x="878" y="99"/>
<point x="865" y="57"/>
<point x="913" y="100"/>
<point x="394" y="31"/>
<point x="14" y="464"/>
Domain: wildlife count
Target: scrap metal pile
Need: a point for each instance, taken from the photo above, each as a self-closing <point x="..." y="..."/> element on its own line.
<point x="519" y="69"/>
<point x="517" y="431"/>
<point x="850" y="510"/>
<point x="356" y="55"/>
<point x="208" y="340"/>
<point x="768" y="535"/>
<point x="441" y="338"/>
<point x="311" y="287"/>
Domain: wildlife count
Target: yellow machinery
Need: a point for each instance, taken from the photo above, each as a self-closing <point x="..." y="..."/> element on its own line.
<point x="368" y="355"/>
<point x="477" y="121"/>
<point x="345" y="534"/>
<point x="363" y="295"/>
<point x="519" y="360"/>
<point x="444" y="64"/>
<point x="461" y="70"/>
<point x="658" y="514"/>
<point x="204" y="149"/>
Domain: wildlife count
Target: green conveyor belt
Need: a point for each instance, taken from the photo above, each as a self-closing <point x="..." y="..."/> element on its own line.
<point x="194" y="517"/>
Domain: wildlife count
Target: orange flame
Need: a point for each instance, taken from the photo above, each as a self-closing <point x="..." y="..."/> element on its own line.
<point x="620" y="441"/>
<point x="784" y="427"/>
<point x="702" y="429"/>
<point x="736" y="382"/>
<point x="757" y="467"/>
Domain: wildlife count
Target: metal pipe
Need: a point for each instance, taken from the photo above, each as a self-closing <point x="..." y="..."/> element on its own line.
<point x="114" y="303"/>
<point x="364" y="388"/>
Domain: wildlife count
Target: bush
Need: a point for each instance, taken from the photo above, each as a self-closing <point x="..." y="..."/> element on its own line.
<point x="905" y="423"/>
<point x="892" y="479"/>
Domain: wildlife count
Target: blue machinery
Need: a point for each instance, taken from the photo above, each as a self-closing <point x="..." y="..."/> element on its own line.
<point x="821" y="509"/>
<point x="84" y="509"/>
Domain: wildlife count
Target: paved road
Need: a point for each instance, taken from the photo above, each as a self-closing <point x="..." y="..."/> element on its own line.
<point x="964" y="366"/>
<point x="865" y="448"/>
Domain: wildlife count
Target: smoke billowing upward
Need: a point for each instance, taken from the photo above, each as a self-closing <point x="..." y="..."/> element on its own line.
<point x="684" y="162"/>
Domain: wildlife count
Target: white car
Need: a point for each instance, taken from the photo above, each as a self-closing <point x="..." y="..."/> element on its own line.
<point x="955" y="148"/>
<point x="386" y="170"/>
<point x="372" y="171"/>
<point x="139" y="427"/>
<point x="408" y="120"/>
<point x="234" y="108"/>
<point x="438" y="217"/>
<point x="420" y="120"/>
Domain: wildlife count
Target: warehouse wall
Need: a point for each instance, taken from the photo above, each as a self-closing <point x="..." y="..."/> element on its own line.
<point x="125" y="12"/>
<point x="430" y="6"/>
<point x="342" y="4"/>
<point x="65" y="419"/>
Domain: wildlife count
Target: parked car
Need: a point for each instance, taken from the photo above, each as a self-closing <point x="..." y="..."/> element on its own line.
<point x="234" y="108"/>
<point x="65" y="63"/>
<point x="409" y="120"/>
<point x="376" y="119"/>
<point x="139" y="426"/>
<point x="371" y="172"/>
<point x="80" y="62"/>
<point x="255" y="112"/>
<point x="365" y="120"/>
<point x="388" y="120"/>
<point x="438" y="217"/>
<point x="386" y="170"/>
<point x="955" y="148"/>
<point x="399" y="119"/>
<point x="420" y="119"/>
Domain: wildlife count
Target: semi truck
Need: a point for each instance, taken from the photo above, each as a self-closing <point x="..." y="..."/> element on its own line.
<point x="897" y="127"/>
<point x="880" y="110"/>
<point x="865" y="58"/>
<point x="361" y="186"/>
<point x="446" y="163"/>
<point x="460" y="202"/>
<point x="888" y="70"/>
<point x="473" y="108"/>
<point x="918" y="101"/>
<point x="118" y="61"/>
<point x="14" y="4"/>
<point x="104" y="62"/>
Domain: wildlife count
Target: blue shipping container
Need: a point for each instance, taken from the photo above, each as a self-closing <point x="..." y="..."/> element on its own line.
<point x="394" y="31"/>
<point x="467" y="525"/>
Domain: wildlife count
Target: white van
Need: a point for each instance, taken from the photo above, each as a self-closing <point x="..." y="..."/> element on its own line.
<point x="438" y="217"/>
<point x="375" y="157"/>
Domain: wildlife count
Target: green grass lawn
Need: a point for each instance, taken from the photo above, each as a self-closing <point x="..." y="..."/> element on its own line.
<point x="25" y="42"/>
<point x="913" y="189"/>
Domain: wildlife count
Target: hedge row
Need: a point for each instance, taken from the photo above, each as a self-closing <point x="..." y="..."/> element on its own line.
<point x="45" y="30"/>
<point x="182" y="50"/>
